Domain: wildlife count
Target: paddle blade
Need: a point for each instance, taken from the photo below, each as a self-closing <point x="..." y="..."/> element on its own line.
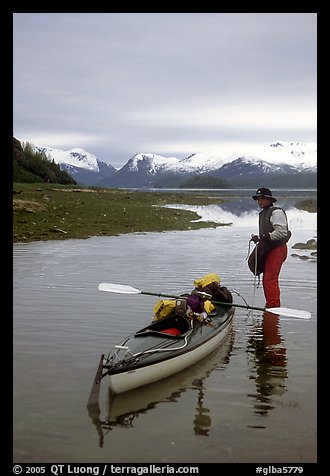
<point x="284" y="311"/>
<point x="118" y="288"/>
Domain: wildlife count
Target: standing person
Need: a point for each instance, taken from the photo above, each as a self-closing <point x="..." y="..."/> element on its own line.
<point x="273" y="236"/>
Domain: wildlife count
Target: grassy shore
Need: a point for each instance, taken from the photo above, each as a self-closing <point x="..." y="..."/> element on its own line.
<point x="57" y="212"/>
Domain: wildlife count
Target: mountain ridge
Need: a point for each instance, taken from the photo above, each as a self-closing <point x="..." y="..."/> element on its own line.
<point x="278" y="163"/>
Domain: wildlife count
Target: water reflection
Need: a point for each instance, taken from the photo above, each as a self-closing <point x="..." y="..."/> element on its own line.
<point x="123" y="410"/>
<point x="242" y="205"/>
<point x="269" y="363"/>
<point x="243" y="211"/>
<point x="202" y="420"/>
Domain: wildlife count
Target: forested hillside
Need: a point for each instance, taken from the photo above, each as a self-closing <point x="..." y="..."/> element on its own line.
<point x="30" y="166"/>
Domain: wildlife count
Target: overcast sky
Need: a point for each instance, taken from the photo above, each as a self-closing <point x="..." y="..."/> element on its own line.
<point x="116" y="84"/>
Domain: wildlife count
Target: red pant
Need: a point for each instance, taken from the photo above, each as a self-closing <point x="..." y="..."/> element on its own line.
<point x="274" y="260"/>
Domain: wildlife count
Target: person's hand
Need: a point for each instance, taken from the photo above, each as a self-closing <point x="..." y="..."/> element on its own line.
<point x="254" y="238"/>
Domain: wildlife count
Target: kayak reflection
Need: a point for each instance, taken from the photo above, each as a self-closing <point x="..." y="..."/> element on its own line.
<point x="124" y="409"/>
<point x="269" y="362"/>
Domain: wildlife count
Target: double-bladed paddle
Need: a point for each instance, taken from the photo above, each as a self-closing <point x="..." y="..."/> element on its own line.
<point x="123" y="289"/>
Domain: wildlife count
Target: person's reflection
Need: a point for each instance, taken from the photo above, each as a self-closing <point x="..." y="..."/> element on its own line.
<point x="270" y="363"/>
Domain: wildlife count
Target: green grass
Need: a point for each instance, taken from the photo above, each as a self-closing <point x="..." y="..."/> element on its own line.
<point x="57" y="212"/>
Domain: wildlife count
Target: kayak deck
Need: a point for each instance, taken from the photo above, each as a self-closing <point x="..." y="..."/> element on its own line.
<point x="160" y="349"/>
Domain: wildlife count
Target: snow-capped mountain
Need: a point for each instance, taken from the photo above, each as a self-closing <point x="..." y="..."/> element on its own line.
<point x="296" y="154"/>
<point x="84" y="167"/>
<point x="280" y="164"/>
<point x="284" y="164"/>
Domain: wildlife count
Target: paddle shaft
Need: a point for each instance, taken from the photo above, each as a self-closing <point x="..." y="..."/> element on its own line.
<point x="124" y="289"/>
<point x="246" y="306"/>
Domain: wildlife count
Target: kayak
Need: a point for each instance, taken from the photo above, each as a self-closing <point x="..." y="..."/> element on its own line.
<point x="161" y="349"/>
<point x="124" y="410"/>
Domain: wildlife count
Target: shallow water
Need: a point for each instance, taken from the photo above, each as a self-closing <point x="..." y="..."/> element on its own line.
<point x="254" y="400"/>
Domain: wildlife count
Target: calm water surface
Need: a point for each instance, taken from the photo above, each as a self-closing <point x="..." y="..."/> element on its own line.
<point x="253" y="400"/>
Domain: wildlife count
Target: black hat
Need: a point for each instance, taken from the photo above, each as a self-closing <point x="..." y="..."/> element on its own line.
<point x="264" y="192"/>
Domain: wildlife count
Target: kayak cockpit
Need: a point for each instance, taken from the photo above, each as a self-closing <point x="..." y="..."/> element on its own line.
<point x="175" y="326"/>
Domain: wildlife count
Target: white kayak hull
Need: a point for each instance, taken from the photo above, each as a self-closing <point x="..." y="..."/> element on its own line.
<point x="134" y="378"/>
